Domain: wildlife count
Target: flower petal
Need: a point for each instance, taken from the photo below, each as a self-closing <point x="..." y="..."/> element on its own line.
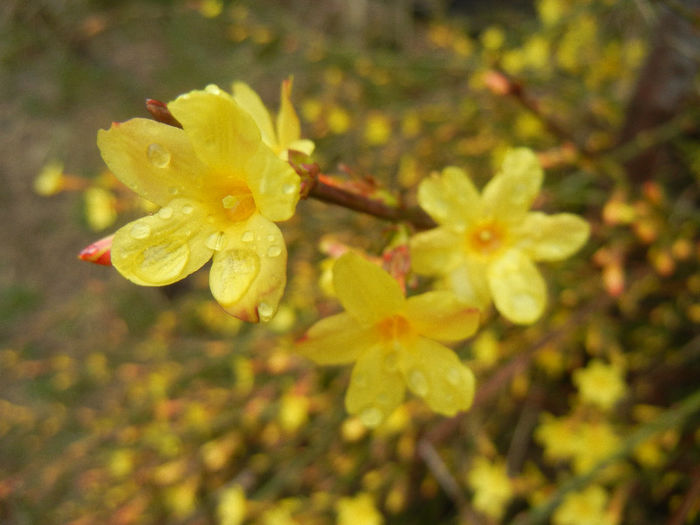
<point x="163" y="248"/>
<point x="248" y="275"/>
<point x="223" y="135"/>
<point x="153" y="159"/>
<point x="251" y="102"/>
<point x="435" y="373"/>
<point x="450" y="198"/>
<point x="439" y="315"/>
<point x="518" y="290"/>
<point x="305" y="146"/>
<point x="288" y="128"/>
<point x="335" y="340"/>
<point x="274" y="184"/>
<point x="436" y="251"/>
<point x="551" y="237"/>
<point x="366" y="291"/>
<point x="376" y="389"/>
<point x="510" y="193"/>
<point x="469" y="283"/>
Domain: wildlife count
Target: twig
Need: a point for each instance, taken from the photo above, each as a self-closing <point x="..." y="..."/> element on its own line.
<point x="442" y="474"/>
<point x="691" y="497"/>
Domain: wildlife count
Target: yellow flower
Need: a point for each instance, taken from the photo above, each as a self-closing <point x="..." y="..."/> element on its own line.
<point x="359" y="510"/>
<point x="219" y="187"/>
<point x="485" y="244"/>
<point x="391" y="340"/>
<point x="283" y="136"/>
<point x="586" y="507"/>
<point x="600" y="384"/>
<point x="492" y="487"/>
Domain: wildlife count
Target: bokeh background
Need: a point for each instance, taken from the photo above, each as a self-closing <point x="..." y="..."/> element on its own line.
<point x="128" y="405"/>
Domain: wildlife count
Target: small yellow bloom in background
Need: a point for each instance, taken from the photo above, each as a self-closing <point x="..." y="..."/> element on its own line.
<point x="377" y="129"/>
<point x="100" y="210"/>
<point x="587" y="507"/>
<point x="220" y="189"/>
<point x="50" y="180"/>
<point x="391" y="340"/>
<point x="486" y="244"/>
<point x="211" y="8"/>
<point x="285" y="134"/>
<point x="491" y="485"/>
<point x="359" y="510"/>
<point x="231" y="509"/>
<point x="339" y="120"/>
<point x="600" y="384"/>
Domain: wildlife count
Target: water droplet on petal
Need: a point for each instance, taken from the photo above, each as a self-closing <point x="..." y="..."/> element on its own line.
<point x="165" y="212"/>
<point x="172" y="190"/>
<point x="271" y="238"/>
<point x="391" y="362"/>
<point x="216" y="241"/>
<point x="140" y="231"/>
<point x="454" y="377"/>
<point x="248" y="236"/>
<point x="265" y="311"/>
<point x="274" y="251"/>
<point x="418" y="382"/>
<point x="158" y="155"/>
<point x="187" y="209"/>
<point x="288" y="189"/>
<point x="524" y="302"/>
<point x="371" y="416"/>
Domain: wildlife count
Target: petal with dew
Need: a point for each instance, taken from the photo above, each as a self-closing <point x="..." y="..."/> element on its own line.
<point x="440" y="315"/>
<point x="336" y="340"/>
<point x="551" y="237"/>
<point x="223" y="135"/>
<point x="469" y="283"/>
<point x="251" y="102"/>
<point x="518" y="289"/>
<point x="366" y="291"/>
<point x="436" y="251"/>
<point x="435" y="373"/>
<point x="376" y="387"/>
<point x="305" y="146"/>
<point x="162" y="248"/>
<point x="288" y="127"/>
<point x="450" y="198"/>
<point x="153" y="159"/>
<point x="510" y="193"/>
<point x="274" y="184"/>
<point x="248" y="274"/>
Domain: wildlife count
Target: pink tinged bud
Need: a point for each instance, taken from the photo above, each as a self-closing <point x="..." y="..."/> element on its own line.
<point x="99" y="252"/>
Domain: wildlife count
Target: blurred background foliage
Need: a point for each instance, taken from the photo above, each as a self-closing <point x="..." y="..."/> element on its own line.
<point x="127" y="405"/>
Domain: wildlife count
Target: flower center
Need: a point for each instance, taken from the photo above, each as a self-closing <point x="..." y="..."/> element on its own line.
<point x="486" y="238"/>
<point x="238" y="202"/>
<point x="394" y="328"/>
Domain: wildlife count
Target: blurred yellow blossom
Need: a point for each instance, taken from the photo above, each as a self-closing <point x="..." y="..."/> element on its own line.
<point x="377" y="129"/>
<point x="231" y="509"/>
<point x="359" y="510"/>
<point x="100" y="210"/>
<point x="50" y="179"/>
<point x="220" y="190"/>
<point x="211" y="8"/>
<point x="293" y="412"/>
<point x="285" y="135"/>
<point x="391" y="340"/>
<point x="338" y="120"/>
<point x="600" y="384"/>
<point x="486" y="244"/>
<point x="587" y="507"/>
<point x="491" y="485"/>
<point x="493" y="38"/>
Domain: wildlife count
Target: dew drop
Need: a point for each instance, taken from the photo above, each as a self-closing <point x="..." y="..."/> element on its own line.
<point x="172" y="190"/>
<point x="165" y="212"/>
<point x="371" y="416"/>
<point x="248" y="236"/>
<point x="418" y="382"/>
<point x="274" y="251"/>
<point x="140" y="231"/>
<point x="265" y="311"/>
<point x="524" y="302"/>
<point x="288" y="189"/>
<point x="187" y="209"/>
<point x="271" y="238"/>
<point x="216" y="241"/>
<point x="158" y="155"/>
<point x="453" y="377"/>
<point x="391" y="362"/>
<point x="485" y="235"/>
